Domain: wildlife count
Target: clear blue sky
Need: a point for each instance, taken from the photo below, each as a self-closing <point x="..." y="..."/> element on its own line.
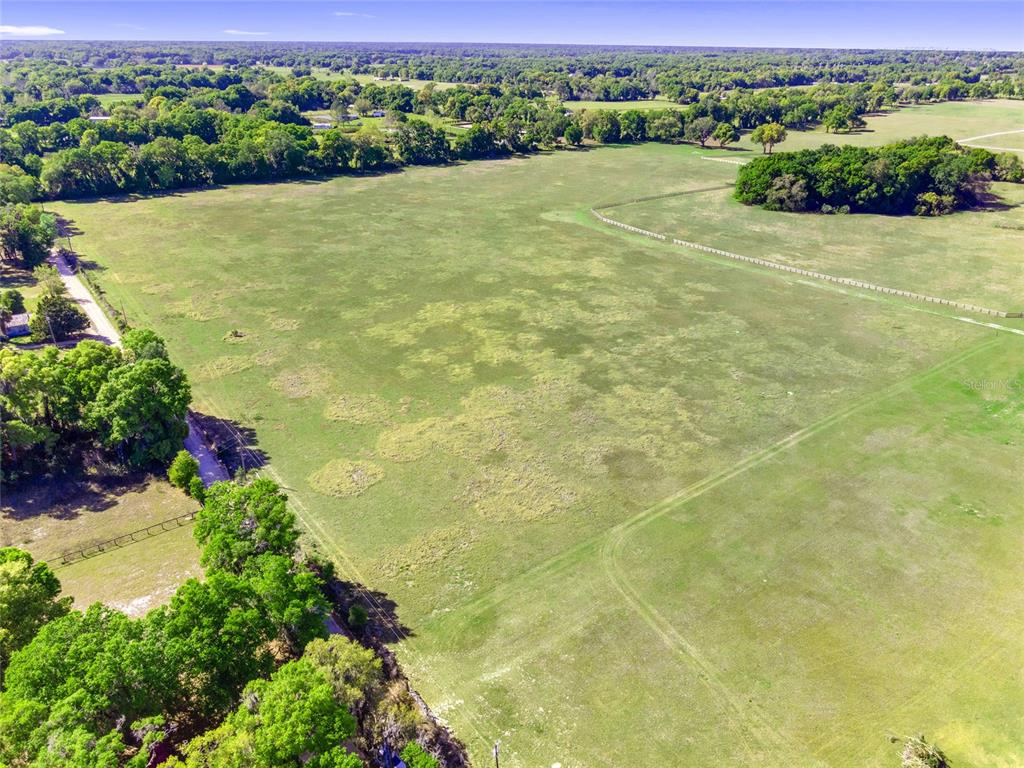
<point x="825" y="23"/>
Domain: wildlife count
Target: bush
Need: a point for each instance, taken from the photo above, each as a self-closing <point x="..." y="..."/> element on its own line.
<point x="917" y="753"/>
<point x="414" y="756"/>
<point x="183" y="470"/>
<point x="934" y="204"/>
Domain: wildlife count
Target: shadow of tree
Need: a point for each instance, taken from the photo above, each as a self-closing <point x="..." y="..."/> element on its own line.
<point x="236" y="445"/>
<point x="383" y="624"/>
<point x="67" y="497"/>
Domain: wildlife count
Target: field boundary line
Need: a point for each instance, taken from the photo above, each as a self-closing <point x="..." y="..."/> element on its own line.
<point x="616" y="538"/>
<point x="662" y="196"/>
<point x="988" y="135"/>
<point x="862" y="284"/>
<point x="729" y="160"/>
<point x="72" y="556"/>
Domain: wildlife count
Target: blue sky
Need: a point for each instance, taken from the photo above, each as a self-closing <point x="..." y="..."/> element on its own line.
<point x="794" y="23"/>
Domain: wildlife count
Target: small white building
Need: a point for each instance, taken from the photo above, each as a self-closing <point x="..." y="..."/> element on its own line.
<point x="18" y="325"/>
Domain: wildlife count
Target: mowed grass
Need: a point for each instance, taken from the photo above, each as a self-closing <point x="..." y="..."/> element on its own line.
<point x="561" y="449"/>
<point x="67" y="516"/>
<point x="416" y="85"/>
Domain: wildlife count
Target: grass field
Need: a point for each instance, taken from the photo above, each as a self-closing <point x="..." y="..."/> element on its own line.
<point x="416" y="85"/>
<point x="62" y="517"/>
<point x="634" y="505"/>
<point x="956" y="119"/>
<point x="973" y="256"/>
<point x="620" y="106"/>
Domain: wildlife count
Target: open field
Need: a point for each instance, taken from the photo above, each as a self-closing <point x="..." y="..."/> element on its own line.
<point x="416" y="85"/>
<point x="956" y="119"/>
<point x="635" y="505"/>
<point x="972" y="256"/>
<point x="621" y="106"/>
<point x="68" y="516"/>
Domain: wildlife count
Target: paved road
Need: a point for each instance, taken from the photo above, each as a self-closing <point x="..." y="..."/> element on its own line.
<point x="101" y="325"/>
<point x="210" y="468"/>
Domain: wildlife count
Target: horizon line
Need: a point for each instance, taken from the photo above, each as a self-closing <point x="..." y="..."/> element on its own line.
<point x="716" y="46"/>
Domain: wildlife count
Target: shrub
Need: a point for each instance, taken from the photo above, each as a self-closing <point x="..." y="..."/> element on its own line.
<point x="917" y="753"/>
<point x="415" y="756"/>
<point x="183" y="470"/>
<point x="934" y="204"/>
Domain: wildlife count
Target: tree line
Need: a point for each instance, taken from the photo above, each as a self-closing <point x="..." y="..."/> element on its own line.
<point x="238" y="669"/>
<point x="927" y="176"/>
<point x="565" y="71"/>
<point x="194" y="127"/>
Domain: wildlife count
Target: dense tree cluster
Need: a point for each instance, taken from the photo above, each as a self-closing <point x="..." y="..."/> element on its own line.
<point x="54" y="404"/>
<point x="26" y="233"/>
<point x="237" y="670"/>
<point x="926" y="176"/>
<point x="566" y="71"/>
<point x="241" y="118"/>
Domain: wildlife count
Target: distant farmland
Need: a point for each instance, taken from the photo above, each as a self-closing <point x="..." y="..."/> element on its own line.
<point x="636" y="505"/>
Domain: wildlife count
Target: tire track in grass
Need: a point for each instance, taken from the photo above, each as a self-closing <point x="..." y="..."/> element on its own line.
<point x="607" y="545"/>
<point x="617" y="537"/>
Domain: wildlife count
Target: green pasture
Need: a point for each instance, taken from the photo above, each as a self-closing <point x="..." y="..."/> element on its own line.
<point x="634" y="505"/>
<point x="973" y="256"/>
<point x="620" y="106"/>
<point x="416" y="85"/>
<point x="956" y="119"/>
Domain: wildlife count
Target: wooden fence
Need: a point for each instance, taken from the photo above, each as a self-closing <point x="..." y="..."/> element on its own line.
<point x="809" y="273"/>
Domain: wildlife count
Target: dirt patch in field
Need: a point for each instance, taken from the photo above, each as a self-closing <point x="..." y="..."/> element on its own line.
<point x="343" y="478"/>
<point x="223" y="366"/>
<point x="302" y="382"/>
<point x="229" y="364"/>
<point x="284" y="323"/>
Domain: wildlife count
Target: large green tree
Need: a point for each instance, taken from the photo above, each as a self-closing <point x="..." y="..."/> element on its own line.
<point x="292" y="719"/>
<point x="140" y="410"/>
<point x="238" y="522"/>
<point x="56" y="318"/>
<point x="29" y="597"/>
<point x="26" y="234"/>
<point x="768" y="135"/>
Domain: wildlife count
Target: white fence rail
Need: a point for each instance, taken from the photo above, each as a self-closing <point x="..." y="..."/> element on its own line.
<point x="809" y="273"/>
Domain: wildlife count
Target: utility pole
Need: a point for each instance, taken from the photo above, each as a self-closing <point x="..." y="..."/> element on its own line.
<point x="50" y="326"/>
<point x="497" y="748"/>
